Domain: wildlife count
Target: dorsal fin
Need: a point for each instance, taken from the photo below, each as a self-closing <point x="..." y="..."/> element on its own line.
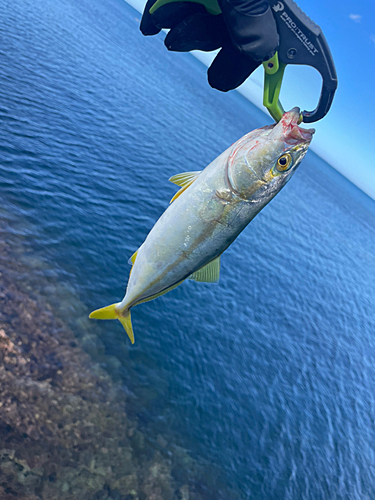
<point x="210" y="273"/>
<point x="183" y="180"/>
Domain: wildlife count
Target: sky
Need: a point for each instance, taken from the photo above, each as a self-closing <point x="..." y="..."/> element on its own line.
<point x="345" y="138"/>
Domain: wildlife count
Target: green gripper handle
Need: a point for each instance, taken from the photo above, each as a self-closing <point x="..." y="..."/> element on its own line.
<point x="273" y="77"/>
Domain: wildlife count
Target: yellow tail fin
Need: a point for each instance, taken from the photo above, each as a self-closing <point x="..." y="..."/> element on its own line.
<point x="111" y="312"/>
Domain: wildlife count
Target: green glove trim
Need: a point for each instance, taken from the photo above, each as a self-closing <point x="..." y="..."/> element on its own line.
<point x="211" y="6"/>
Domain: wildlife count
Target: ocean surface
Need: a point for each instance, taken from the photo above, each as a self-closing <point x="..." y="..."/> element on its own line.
<point x="268" y="378"/>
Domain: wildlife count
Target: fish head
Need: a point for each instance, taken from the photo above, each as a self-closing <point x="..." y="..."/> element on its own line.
<point x="262" y="162"/>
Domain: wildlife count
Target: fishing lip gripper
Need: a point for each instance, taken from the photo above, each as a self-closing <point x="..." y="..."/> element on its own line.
<point x="301" y="42"/>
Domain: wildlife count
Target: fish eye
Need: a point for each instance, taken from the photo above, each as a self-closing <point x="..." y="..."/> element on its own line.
<point x="284" y="162"/>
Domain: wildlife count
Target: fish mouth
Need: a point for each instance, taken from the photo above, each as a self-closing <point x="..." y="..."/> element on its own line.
<point x="290" y="129"/>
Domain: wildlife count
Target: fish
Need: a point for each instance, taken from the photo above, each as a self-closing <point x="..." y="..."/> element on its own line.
<point x="211" y="209"/>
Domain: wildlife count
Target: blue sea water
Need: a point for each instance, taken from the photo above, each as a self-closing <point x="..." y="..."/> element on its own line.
<point x="268" y="376"/>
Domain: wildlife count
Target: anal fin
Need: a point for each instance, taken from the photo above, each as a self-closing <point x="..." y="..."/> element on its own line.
<point x="210" y="273"/>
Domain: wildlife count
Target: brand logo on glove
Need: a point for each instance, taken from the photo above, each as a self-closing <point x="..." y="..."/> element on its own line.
<point x="278" y="7"/>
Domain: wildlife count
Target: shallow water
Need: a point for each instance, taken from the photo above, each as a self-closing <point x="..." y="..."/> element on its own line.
<point x="266" y="378"/>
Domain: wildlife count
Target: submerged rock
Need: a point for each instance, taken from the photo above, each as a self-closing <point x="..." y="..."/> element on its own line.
<point x="60" y="420"/>
<point x="63" y="422"/>
<point x="64" y="429"/>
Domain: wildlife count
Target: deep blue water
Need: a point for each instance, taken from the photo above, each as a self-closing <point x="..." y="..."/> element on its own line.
<point x="269" y="375"/>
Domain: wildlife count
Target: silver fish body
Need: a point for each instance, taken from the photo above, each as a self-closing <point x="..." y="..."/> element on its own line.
<point x="212" y="211"/>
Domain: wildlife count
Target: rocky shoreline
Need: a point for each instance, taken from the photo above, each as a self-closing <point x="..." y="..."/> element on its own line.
<point x="64" y="429"/>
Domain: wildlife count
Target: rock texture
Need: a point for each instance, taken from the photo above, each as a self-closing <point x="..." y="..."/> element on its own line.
<point x="64" y="430"/>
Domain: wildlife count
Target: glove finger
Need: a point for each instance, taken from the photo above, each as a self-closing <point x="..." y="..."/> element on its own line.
<point x="230" y="69"/>
<point x="171" y="14"/>
<point x="168" y="15"/>
<point x="252" y="27"/>
<point x="201" y="31"/>
<point x="147" y="25"/>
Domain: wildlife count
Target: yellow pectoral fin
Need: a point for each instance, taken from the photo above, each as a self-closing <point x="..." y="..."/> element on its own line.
<point x="111" y="312"/>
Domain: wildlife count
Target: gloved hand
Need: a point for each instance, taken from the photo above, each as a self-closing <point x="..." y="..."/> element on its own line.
<point x="245" y="31"/>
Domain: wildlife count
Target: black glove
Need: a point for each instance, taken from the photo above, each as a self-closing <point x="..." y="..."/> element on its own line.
<point x="245" y="31"/>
